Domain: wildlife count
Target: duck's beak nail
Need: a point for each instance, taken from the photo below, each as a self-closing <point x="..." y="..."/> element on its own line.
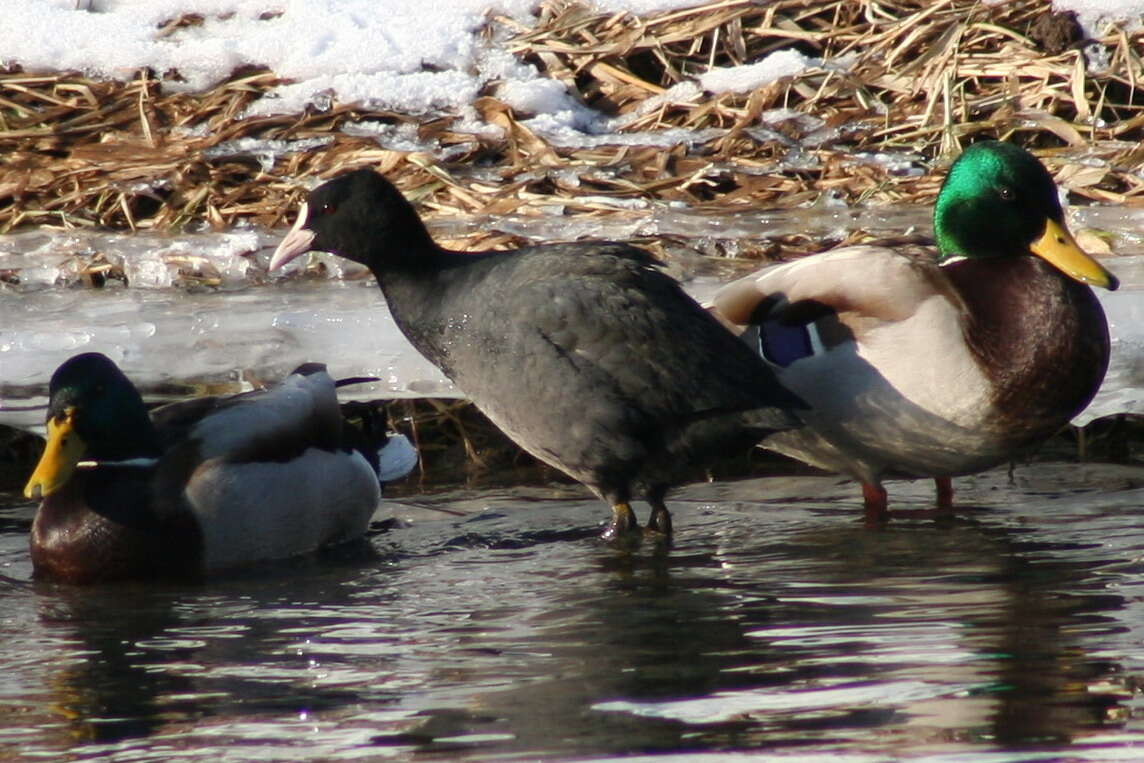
<point x="1058" y="247"/>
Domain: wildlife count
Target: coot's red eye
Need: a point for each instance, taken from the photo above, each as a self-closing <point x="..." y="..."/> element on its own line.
<point x="328" y="208"/>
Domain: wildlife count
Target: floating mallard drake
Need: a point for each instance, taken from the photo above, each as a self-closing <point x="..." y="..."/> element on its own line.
<point x="198" y="486"/>
<point x="936" y="369"/>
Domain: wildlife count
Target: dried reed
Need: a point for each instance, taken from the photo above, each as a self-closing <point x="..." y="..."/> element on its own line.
<point x="907" y="78"/>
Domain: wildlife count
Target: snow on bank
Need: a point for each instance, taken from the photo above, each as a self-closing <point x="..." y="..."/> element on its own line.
<point x="1095" y="15"/>
<point x="402" y="55"/>
<point x="406" y="56"/>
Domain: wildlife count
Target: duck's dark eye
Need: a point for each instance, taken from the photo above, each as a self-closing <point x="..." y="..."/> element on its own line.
<point x="1006" y="193"/>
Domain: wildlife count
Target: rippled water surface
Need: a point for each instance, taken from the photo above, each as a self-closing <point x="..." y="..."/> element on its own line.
<point x="491" y="625"/>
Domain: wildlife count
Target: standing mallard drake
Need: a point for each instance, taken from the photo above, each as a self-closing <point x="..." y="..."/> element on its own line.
<point x="936" y="369"/>
<point x="199" y="486"/>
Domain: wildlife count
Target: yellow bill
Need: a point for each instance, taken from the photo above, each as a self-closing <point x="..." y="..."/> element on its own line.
<point x="1058" y="247"/>
<point x="63" y="452"/>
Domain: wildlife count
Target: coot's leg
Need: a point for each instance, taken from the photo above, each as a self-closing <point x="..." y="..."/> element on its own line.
<point x="623" y="522"/>
<point x="660" y="520"/>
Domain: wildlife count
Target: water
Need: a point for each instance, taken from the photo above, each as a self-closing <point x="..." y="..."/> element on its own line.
<point x="492" y="625"/>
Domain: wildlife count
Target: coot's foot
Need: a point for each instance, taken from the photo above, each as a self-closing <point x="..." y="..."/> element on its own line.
<point x="624" y="524"/>
<point x="660" y="520"/>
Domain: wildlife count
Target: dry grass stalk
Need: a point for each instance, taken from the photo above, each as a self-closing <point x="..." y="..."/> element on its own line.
<point x="919" y="78"/>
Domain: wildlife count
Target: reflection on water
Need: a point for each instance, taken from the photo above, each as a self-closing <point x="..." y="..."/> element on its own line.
<point x="776" y="623"/>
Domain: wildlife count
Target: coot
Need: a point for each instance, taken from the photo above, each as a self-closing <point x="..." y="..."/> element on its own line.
<point x="587" y="355"/>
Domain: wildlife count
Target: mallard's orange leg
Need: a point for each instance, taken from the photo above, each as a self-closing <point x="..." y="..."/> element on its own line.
<point x="874" y="497"/>
<point x="944" y="487"/>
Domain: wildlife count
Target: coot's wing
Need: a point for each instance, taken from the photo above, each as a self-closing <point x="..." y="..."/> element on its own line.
<point x="610" y="348"/>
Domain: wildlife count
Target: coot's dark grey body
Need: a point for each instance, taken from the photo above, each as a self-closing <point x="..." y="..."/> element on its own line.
<point x="586" y="355"/>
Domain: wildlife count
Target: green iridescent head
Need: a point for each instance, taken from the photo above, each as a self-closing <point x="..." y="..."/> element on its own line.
<point x="999" y="201"/>
<point x="94" y="412"/>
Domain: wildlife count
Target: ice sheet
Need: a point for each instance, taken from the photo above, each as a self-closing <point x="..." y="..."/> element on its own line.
<point x="176" y="336"/>
<point x="172" y="343"/>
